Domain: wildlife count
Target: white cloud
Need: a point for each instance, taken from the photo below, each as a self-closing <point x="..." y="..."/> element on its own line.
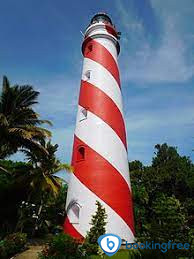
<point x="166" y="62"/>
<point x="169" y="119"/>
<point x="128" y="19"/>
<point x="172" y="119"/>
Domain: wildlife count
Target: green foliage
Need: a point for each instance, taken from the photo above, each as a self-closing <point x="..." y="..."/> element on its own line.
<point x="38" y="219"/>
<point x="61" y="246"/>
<point x="174" y="174"/>
<point x="15" y="216"/>
<point x="31" y="218"/>
<point x="19" y="123"/>
<point x="191" y="239"/>
<point x="13" y="189"/>
<point x="42" y="173"/>
<point x="12" y="244"/>
<point x="121" y="254"/>
<point x="6" y="181"/>
<point x="35" y="183"/>
<point x="163" y="197"/>
<point x="56" y="208"/>
<point x="153" y="254"/>
<point x="98" y="223"/>
<point x="168" y="219"/>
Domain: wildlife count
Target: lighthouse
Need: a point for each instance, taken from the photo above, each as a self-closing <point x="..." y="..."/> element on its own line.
<point x="99" y="155"/>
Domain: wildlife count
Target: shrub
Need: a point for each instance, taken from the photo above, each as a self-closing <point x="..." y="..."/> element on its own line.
<point x="61" y="246"/>
<point x="98" y="224"/>
<point x="18" y="238"/>
<point x="89" y="249"/>
<point x="12" y="244"/>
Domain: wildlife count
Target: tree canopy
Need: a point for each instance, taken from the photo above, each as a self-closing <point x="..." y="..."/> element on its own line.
<point x="163" y="196"/>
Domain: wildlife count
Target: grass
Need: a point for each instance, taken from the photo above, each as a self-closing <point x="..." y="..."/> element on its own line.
<point x="121" y="254"/>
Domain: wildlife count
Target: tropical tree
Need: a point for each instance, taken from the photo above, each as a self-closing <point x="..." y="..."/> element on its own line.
<point x="44" y="168"/>
<point x="24" y="184"/>
<point x="163" y="196"/>
<point x="14" y="187"/>
<point x="19" y="123"/>
<point x="44" y="185"/>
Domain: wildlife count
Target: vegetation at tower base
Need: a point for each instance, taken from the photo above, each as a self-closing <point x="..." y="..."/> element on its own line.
<point x="61" y="246"/>
<point x="64" y="246"/>
<point x="12" y="244"/>
<point x="98" y="224"/>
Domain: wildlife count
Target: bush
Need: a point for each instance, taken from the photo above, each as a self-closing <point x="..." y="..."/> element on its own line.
<point x="12" y="244"/>
<point x="89" y="249"/>
<point x="18" y="238"/>
<point x="61" y="246"/>
<point x="98" y="223"/>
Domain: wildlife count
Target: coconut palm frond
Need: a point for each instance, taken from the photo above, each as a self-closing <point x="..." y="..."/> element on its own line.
<point x="18" y="121"/>
<point x="53" y="184"/>
<point x="68" y="168"/>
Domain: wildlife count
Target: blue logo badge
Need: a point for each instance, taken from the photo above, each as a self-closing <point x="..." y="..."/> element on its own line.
<point x="109" y="243"/>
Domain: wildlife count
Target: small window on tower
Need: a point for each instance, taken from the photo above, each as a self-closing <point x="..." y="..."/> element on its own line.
<point x="90" y="47"/>
<point x="88" y="74"/>
<point x="83" y="114"/>
<point x="80" y="153"/>
<point x="74" y="212"/>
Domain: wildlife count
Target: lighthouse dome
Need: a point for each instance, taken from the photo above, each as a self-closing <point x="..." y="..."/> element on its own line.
<point x="101" y="17"/>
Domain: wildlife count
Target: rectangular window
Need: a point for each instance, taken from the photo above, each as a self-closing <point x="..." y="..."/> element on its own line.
<point x="88" y="74"/>
<point x="83" y="114"/>
<point x="80" y="153"/>
<point x="74" y="214"/>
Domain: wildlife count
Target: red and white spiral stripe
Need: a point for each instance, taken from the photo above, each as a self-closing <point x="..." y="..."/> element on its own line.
<point x="103" y="175"/>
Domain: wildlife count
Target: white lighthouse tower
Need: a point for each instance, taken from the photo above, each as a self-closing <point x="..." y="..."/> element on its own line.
<point x="100" y="149"/>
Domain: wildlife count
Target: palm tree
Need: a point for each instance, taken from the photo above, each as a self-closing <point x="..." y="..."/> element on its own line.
<point x="44" y="169"/>
<point x="19" y="123"/>
<point x="41" y="179"/>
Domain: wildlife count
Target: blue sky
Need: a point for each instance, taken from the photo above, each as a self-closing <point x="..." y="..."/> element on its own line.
<point x="40" y="45"/>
